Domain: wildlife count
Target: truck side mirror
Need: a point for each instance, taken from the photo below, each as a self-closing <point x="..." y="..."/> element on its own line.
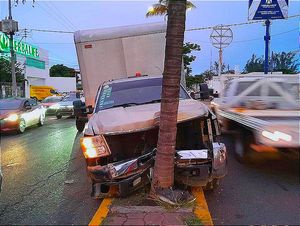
<point x="89" y="109"/>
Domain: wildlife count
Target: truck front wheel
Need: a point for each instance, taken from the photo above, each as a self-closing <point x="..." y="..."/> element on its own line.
<point x="212" y="185"/>
<point x="80" y="125"/>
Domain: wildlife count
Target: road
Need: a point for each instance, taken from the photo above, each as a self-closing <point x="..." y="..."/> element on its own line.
<point x="44" y="177"/>
<point x="45" y="182"/>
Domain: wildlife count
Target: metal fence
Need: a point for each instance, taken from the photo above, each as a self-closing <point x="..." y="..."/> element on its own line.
<point x="6" y="90"/>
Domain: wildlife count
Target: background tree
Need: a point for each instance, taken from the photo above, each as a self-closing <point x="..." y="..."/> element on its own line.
<point x="192" y="80"/>
<point x="215" y="67"/>
<point x="255" y="64"/>
<point x="5" y="71"/>
<point x="187" y="57"/>
<point x="286" y="63"/>
<point x="161" y="8"/>
<point x="60" y="70"/>
<point x="163" y="177"/>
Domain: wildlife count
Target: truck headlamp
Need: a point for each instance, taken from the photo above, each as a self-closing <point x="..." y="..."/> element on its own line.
<point x="276" y="136"/>
<point x="12" y="118"/>
<point x="95" y="146"/>
<point x="283" y="136"/>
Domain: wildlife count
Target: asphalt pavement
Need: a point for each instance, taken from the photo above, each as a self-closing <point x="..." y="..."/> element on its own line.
<point x="45" y="178"/>
<point x="45" y="182"/>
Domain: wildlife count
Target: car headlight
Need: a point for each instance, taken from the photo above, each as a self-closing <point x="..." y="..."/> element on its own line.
<point x="94" y="146"/>
<point x="54" y="106"/>
<point x="276" y="136"/>
<point x="12" y="118"/>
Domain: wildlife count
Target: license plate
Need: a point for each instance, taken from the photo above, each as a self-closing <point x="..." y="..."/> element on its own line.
<point x="192" y="154"/>
<point x="136" y="181"/>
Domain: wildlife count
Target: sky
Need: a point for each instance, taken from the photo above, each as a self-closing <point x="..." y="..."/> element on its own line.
<point x="81" y="15"/>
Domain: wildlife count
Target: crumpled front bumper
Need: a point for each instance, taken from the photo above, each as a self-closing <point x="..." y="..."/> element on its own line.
<point x="192" y="168"/>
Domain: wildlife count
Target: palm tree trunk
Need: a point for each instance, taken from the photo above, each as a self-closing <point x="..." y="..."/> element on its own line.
<point x="164" y="163"/>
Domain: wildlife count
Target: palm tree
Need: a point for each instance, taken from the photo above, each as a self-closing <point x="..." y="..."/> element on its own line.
<point x="163" y="176"/>
<point x="161" y="8"/>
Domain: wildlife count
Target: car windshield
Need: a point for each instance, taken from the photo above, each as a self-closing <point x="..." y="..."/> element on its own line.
<point x="52" y="100"/>
<point x="10" y="104"/>
<point x="129" y="93"/>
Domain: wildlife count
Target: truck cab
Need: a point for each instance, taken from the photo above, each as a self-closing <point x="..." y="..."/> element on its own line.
<point x="120" y="138"/>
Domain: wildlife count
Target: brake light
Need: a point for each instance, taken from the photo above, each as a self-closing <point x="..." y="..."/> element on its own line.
<point x="95" y="146"/>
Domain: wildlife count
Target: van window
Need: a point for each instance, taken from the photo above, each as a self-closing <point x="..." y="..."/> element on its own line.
<point x="244" y="85"/>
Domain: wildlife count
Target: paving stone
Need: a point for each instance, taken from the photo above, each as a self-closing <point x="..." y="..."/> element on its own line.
<point x="134" y="221"/>
<point x="115" y="220"/>
<point x="154" y="219"/>
<point x="135" y="215"/>
<point x="174" y="219"/>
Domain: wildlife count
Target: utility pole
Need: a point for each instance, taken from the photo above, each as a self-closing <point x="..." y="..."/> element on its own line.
<point x="12" y="53"/>
<point x="221" y="37"/>
<point x="267" y="43"/>
<point x="220" y="62"/>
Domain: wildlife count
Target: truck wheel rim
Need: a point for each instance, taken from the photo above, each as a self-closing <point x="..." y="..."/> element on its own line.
<point x="22" y="125"/>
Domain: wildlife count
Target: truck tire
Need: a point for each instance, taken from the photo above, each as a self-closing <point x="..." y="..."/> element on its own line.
<point x="212" y="185"/>
<point x="80" y="125"/>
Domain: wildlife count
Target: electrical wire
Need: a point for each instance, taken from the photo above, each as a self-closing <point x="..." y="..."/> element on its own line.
<point x="190" y="29"/>
<point x="60" y="15"/>
<point x="51" y="15"/>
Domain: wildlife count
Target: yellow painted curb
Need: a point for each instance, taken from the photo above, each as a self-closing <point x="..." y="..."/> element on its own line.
<point x="201" y="209"/>
<point x="101" y="212"/>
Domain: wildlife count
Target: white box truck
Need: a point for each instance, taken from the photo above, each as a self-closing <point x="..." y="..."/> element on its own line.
<point x="120" y="139"/>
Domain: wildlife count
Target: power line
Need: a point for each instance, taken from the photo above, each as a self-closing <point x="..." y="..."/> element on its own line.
<point x="237" y="24"/>
<point x="60" y="15"/>
<point x="52" y="31"/>
<point x="190" y="29"/>
<point x="50" y="14"/>
<point x="247" y="40"/>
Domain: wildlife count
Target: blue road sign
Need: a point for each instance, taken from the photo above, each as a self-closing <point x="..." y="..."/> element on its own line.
<point x="268" y="9"/>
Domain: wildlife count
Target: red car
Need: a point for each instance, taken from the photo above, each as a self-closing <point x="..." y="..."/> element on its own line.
<point x="16" y="114"/>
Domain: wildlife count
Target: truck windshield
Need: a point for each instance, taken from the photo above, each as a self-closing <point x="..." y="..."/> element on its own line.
<point x="130" y="93"/>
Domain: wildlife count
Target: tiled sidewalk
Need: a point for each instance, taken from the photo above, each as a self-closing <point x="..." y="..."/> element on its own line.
<point x="149" y="215"/>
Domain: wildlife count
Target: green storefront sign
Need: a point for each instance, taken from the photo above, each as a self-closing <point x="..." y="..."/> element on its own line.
<point x="35" y="63"/>
<point x="19" y="47"/>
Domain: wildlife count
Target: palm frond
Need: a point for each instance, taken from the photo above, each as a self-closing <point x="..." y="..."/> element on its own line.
<point x="161" y="8"/>
<point x="190" y="5"/>
<point x="157" y="9"/>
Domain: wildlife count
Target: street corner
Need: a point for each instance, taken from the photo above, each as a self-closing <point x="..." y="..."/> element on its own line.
<point x="139" y="209"/>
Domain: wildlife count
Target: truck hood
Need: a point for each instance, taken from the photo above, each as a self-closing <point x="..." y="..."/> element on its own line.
<point x="141" y="117"/>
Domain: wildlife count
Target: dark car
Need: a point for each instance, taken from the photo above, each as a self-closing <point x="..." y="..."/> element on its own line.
<point x="16" y="114"/>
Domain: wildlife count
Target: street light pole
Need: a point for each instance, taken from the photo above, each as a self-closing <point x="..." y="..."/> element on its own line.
<point x="12" y="54"/>
<point x="267" y="43"/>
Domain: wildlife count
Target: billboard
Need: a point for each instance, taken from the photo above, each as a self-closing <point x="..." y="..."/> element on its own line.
<point x="19" y="47"/>
<point x="268" y="9"/>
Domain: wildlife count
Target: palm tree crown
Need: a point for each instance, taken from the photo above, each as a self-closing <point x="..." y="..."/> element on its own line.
<point x="161" y="8"/>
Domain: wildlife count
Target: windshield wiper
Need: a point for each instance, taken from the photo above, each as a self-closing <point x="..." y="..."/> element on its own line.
<point x="125" y="105"/>
<point x="153" y="101"/>
<point x="134" y="104"/>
